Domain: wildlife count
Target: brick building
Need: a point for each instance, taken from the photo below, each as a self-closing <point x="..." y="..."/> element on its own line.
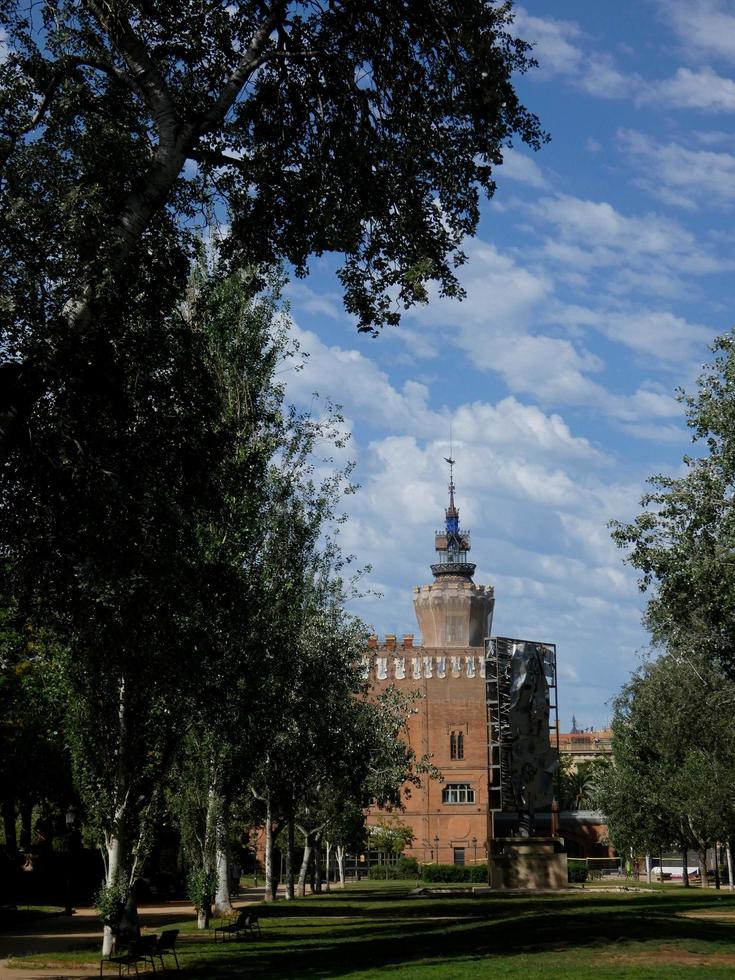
<point x="450" y="818"/>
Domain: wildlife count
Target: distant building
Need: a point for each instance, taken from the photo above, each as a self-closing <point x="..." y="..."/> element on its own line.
<point x="450" y="818"/>
<point x="586" y="746"/>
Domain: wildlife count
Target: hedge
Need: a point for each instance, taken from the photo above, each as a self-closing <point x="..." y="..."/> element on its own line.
<point x="476" y="873"/>
<point x="577" y="870"/>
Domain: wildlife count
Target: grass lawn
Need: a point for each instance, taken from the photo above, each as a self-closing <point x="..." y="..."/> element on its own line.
<point x="373" y="929"/>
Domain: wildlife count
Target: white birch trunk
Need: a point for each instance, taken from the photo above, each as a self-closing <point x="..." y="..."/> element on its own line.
<point x="222" y="898"/>
<point x="116" y="843"/>
<point x="301" y="886"/>
<point x="113" y="848"/>
<point x="327" y="861"/>
<point x="648" y="866"/>
<point x="290" y="884"/>
<point x="728" y="853"/>
<point x="341" y="864"/>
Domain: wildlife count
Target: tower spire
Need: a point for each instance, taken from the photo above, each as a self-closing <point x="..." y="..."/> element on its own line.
<point x="453" y="545"/>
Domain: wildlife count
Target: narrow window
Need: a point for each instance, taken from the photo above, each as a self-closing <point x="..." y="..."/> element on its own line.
<point x="460" y="746"/>
<point x="459" y="856"/>
<point x="453" y="747"/>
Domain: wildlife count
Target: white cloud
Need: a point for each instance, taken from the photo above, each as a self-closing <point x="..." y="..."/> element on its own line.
<point x="703" y="89"/>
<point x="558" y="51"/>
<point x="511" y="423"/>
<point x="603" y="79"/>
<point x="657" y="334"/>
<point x="520" y="167"/>
<point x="553" y="42"/>
<point x="706" y="25"/>
<point x="678" y="175"/>
<point x="647" y="252"/>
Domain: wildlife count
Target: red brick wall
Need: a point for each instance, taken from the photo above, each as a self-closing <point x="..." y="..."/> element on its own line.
<point x="449" y="703"/>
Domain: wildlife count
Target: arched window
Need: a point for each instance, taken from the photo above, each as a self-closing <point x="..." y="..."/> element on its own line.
<point x="458" y="793"/>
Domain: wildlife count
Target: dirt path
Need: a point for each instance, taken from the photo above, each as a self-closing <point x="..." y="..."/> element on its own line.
<point x="56" y="934"/>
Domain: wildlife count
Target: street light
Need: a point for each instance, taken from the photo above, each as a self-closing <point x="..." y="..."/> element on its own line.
<point x="474" y="845"/>
<point x="70" y="818"/>
<point x="436" y="847"/>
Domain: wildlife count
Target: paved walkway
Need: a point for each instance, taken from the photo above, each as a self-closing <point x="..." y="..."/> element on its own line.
<point x="55" y="934"/>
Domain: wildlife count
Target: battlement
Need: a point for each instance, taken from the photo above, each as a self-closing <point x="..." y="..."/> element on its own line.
<point x="386" y="663"/>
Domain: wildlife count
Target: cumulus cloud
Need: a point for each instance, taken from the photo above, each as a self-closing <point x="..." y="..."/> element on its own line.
<point x="657" y="334"/>
<point x="705" y="25"/>
<point x="678" y="175"/>
<point x="554" y="42"/>
<point x="703" y="89"/>
<point x="521" y="168"/>
<point x="645" y="253"/>
<point x="558" y="49"/>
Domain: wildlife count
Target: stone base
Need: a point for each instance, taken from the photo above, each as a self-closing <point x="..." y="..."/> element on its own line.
<point x="528" y="863"/>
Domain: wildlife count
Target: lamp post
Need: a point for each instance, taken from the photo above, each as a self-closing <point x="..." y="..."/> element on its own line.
<point x="436" y="847"/>
<point x="70" y="818"/>
<point x="474" y="845"/>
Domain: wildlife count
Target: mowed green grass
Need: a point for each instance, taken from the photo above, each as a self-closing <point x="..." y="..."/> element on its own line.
<point x="370" y="931"/>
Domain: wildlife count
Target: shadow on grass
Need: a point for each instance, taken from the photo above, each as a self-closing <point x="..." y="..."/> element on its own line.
<point x="393" y="938"/>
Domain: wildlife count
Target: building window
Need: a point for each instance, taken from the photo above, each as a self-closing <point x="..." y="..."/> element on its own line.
<point x="459" y="856"/>
<point x="456" y="745"/>
<point x="458" y="793"/>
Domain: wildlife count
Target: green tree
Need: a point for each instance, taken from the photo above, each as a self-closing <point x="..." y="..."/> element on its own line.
<point x="101" y="519"/>
<point x="365" y="128"/>
<point x="683" y="541"/>
<point x="673" y="742"/>
<point x="390" y="836"/>
<point x="575" y="783"/>
<point x="34" y="766"/>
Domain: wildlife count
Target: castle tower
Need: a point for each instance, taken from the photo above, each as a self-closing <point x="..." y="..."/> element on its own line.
<point x="453" y="611"/>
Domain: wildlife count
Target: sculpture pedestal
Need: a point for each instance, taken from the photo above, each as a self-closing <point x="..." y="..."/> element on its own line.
<point x="528" y="862"/>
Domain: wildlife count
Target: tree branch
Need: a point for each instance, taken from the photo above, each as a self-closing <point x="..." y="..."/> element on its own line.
<point x="250" y="61"/>
<point x="149" y="80"/>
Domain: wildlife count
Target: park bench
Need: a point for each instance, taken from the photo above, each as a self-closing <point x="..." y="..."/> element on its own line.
<point x="138" y="951"/>
<point x="166" y="945"/>
<point x="246" y="922"/>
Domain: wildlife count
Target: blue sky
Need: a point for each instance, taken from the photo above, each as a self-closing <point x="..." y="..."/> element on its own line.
<point x="598" y="279"/>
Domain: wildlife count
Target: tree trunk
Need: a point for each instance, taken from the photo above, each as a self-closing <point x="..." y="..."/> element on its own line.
<point x="290" y="884"/>
<point x="11" y="841"/>
<point x="648" y="866"/>
<point x="327" y="863"/>
<point x="222" y="898"/>
<point x="26" y="817"/>
<point x="114" y="850"/>
<point x="685" y="867"/>
<point x="717" y="867"/>
<point x="318" y="864"/>
<point x="702" y="857"/>
<point x="303" y="871"/>
<point x="341" y="864"/>
<point x="728" y="852"/>
<point x="271" y="874"/>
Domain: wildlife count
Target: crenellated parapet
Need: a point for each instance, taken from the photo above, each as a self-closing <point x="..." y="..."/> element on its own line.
<point x="387" y="661"/>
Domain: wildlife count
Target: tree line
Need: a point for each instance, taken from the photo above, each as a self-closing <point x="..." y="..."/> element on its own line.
<point x="672" y="785"/>
<point x="173" y="625"/>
